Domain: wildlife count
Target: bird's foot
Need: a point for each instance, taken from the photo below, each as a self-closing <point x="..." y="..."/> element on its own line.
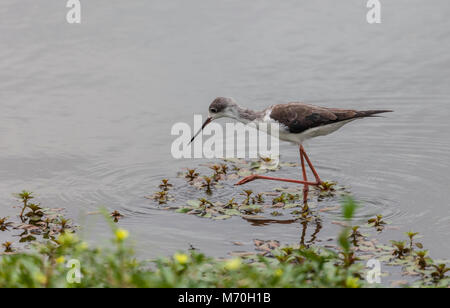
<point x="247" y="179"/>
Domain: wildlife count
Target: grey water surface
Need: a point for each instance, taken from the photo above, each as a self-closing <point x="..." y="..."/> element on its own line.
<point x="86" y="110"/>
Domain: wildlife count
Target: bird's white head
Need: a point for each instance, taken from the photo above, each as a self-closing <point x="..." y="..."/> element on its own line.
<point x="223" y="107"/>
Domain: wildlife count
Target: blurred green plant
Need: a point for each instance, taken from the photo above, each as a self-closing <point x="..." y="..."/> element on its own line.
<point x="116" y="266"/>
<point x="47" y="262"/>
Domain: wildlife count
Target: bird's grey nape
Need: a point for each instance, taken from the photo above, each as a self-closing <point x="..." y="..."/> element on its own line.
<point x="248" y="114"/>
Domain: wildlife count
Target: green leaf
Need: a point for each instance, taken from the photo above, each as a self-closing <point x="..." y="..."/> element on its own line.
<point x="232" y="212"/>
<point x="343" y="240"/>
<point x="194" y="203"/>
<point x="348" y="208"/>
<point x="183" y="210"/>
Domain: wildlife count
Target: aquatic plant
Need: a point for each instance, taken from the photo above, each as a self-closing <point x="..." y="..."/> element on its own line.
<point x="5" y="224"/>
<point x="207" y="183"/>
<point x="280" y="199"/>
<point x="377" y="222"/>
<point x="231" y="204"/>
<point x="116" y="266"/>
<point x="259" y="198"/>
<point x="400" y="249"/>
<point x="346" y="254"/>
<point x="191" y="175"/>
<point x="440" y="271"/>
<point x="204" y="202"/>
<point x="35" y="214"/>
<point x="7" y="247"/>
<point x="327" y="186"/>
<point x="355" y="235"/>
<point x="63" y="224"/>
<point x="421" y="259"/>
<point x="116" y="216"/>
<point x="24" y="196"/>
<point x="161" y="196"/>
<point x="272" y="266"/>
<point x="411" y="236"/>
<point x="37" y="221"/>
<point x="247" y="194"/>
<point x="224" y="168"/>
<point x="165" y="184"/>
<point x="217" y="169"/>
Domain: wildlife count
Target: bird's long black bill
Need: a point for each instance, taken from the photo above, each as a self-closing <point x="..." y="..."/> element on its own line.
<point x="208" y="120"/>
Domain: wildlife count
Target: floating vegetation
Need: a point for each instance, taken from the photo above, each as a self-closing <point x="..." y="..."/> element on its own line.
<point x="24" y="196"/>
<point x="327" y="186"/>
<point x="165" y="185"/>
<point x="231" y="204"/>
<point x="270" y="264"/>
<point x="266" y="164"/>
<point x="285" y="205"/>
<point x="377" y="222"/>
<point x="400" y="249"/>
<point x="35" y="222"/>
<point x="422" y="260"/>
<point x="440" y="270"/>
<point x="224" y="168"/>
<point x="280" y="199"/>
<point x="207" y="184"/>
<point x="116" y="216"/>
<point x="219" y="172"/>
<point x="259" y="198"/>
<point x="7" y="247"/>
<point x="411" y="236"/>
<point x="247" y="194"/>
<point x="252" y="207"/>
<point x="347" y="254"/>
<point x="355" y="235"/>
<point x="267" y="246"/>
<point x="5" y="224"/>
<point x="191" y="175"/>
<point x="161" y="196"/>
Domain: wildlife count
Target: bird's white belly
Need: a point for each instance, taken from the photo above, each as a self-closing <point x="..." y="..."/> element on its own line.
<point x="299" y="138"/>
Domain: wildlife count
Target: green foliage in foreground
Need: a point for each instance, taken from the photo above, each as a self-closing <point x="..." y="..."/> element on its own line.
<point x="46" y="266"/>
<point x="61" y="259"/>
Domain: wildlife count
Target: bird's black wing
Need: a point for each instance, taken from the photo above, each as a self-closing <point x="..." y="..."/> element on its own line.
<point x="299" y="117"/>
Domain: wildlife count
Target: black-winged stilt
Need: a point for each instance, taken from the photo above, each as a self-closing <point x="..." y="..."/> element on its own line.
<point x="297" y="122"/>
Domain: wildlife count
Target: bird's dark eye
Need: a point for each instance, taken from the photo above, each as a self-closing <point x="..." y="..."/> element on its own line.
<point x="213" y="110"/>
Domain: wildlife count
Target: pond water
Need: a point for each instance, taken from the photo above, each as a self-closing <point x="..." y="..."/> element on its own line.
<point x="86" y="110"/>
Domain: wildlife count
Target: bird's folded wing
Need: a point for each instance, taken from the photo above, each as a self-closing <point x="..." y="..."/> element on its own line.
<point x="298" y="117"/>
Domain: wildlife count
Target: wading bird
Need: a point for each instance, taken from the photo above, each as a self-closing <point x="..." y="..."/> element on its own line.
<point x="297" y="122"/>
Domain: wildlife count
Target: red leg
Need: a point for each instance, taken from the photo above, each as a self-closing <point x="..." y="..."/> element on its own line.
<point x="257" y="176"/>
<point x="304" y="182"/>
<point x="305" y="177"/>
<point x="316" y="175"/>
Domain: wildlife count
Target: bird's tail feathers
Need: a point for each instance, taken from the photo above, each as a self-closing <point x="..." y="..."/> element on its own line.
<point x="372" y="113"/>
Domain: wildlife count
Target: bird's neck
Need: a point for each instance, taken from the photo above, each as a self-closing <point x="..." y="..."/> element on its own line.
<point x="245" y="115"/>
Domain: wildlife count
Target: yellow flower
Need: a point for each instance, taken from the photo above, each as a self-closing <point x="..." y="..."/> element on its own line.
<point x="66" y="239"/>
<point x="41" y="278"/>
<point x="233" y="264"/>
<point x="60" y="260"/>
<point x="181" y="258"/>
<point x="122" y="234"/>
<point x="352" y="283"/>
<point x="279" y="272"/>
<point x="83" y="246"/>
